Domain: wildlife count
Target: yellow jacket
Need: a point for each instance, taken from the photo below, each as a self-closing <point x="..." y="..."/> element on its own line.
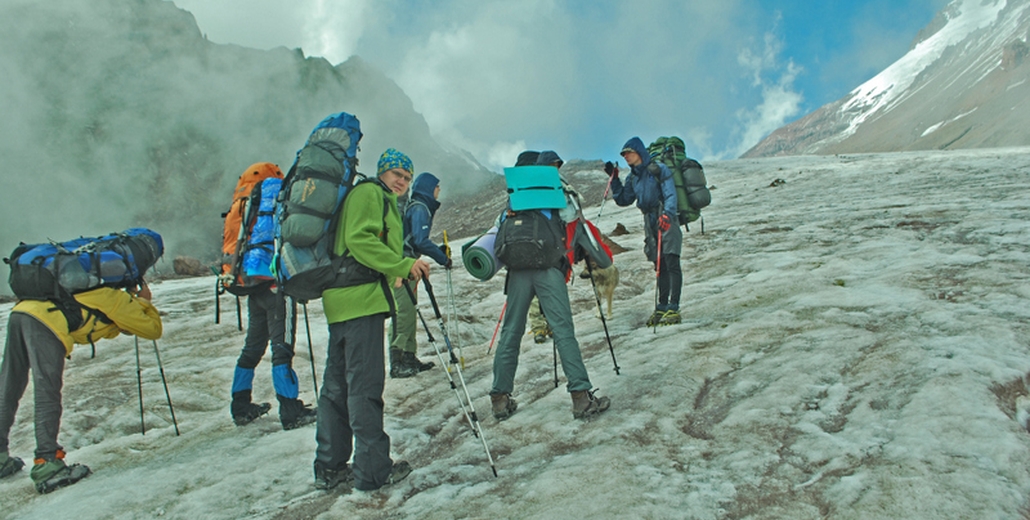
<point x="124" y="312"/>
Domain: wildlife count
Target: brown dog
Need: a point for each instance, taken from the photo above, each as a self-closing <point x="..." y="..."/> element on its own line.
<point x="605" y="282"/>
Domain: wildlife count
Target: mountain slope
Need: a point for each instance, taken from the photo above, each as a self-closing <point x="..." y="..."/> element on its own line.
<point x="118" y="114"/>
<point x="963" y="85"/>
<point x="860" y="355"/>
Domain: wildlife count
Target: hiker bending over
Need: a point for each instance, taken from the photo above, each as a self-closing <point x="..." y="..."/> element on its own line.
<point x="547" y="283"/>
<point x="650" y="184"/>
<point x="418" y="221"/>
<point x="350" y="408"/>
<point x="39" y="338"/>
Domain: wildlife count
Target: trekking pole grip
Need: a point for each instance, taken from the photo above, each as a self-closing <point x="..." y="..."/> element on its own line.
<point x="432" y="297"/>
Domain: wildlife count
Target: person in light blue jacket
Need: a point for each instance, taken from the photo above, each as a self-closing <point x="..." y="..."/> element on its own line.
<point x="650" y="185"/>
<point x="418" y="222"/>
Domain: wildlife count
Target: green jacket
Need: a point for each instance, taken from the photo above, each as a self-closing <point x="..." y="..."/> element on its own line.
<point x="360" y="233"/>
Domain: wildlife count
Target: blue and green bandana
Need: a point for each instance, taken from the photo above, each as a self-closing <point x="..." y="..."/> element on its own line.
<point x="391" y="159"/>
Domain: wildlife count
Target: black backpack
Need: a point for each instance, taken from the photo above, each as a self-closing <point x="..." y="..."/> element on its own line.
<point x="530" y="240"/>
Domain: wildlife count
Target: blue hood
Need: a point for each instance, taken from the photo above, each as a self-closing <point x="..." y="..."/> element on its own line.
<point x="637" y="145"/>
<point x="422" y="190"/>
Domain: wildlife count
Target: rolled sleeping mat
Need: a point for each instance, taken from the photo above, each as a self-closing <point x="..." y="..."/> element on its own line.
<point x="478" y="256"/>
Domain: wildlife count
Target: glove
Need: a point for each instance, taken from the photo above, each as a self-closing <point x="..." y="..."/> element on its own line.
<point x="664" y="223"/>
<point x="448" y="264"/>
<point x="611" y="169"/>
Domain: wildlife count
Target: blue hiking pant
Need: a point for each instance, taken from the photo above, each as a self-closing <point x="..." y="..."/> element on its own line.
<point x="670" y="276"/>
<point x="269" y="323"/>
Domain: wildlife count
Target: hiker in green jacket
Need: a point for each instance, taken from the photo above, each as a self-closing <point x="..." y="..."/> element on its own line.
<point x="350" y="407"/>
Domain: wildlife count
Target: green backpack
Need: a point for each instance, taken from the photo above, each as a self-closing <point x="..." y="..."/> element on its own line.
<point x="687" y="174"/>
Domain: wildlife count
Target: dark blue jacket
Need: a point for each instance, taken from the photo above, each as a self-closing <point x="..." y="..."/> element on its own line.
<point x="418" y="220"/>
<point x="648" y="190"/>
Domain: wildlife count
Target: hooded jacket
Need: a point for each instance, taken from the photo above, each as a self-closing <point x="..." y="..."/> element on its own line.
<point x="122" y="312"/>
<point x="651" y="193"/>
<point x="418" y="219"/>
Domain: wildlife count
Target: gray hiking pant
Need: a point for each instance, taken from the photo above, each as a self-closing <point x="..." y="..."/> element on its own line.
<point x="549" y="286"/>
<point x="31" y="345"/>
<point x="350" y="407"/>
<point x="403" y="329"/>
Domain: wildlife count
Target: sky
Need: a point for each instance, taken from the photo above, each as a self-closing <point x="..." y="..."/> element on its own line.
<point x="580" y="77"/>
<point x="859" y="356"/>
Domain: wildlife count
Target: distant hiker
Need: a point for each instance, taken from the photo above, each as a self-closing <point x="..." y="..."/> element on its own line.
<point x="542" y="276"/>
<point x="39" y="338"/>
<point x="655" y="195"/>
<point x="418" y="221"/>
<point x="369" y="234"/>
<point x="247" y="247"/>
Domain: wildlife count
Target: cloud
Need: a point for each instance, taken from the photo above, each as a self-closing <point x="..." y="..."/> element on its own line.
<point x="578" y="77"/>
<point x="779" y="100"/>
<point x="332" y="28"/>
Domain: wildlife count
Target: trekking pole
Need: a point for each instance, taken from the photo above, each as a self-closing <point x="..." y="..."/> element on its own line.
<point x="554" y="346"/>
<point x="452" y="308"/>
<point x="239" y="314"/>
<point x="604" y="197"/>
<point x="604" y="322"/>
<point x="164" y="381"/>
<point x="498" y="327"/>
<point x="139" y="388"/>
<point x="218" y="301"/>
<point x="311" y="351"/>
<point x="658" y="272"/>
<point x="466" y="404"/>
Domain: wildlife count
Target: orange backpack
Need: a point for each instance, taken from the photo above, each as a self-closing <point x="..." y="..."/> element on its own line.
<point x="233" y="234"/>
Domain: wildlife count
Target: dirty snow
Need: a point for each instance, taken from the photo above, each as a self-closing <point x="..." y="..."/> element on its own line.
<point x="854" y="345"/>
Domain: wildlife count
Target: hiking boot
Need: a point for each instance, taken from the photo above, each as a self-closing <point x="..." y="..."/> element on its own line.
<point x="400" y="368"/>
<point x="656" y="316"/>
<point x="414" y="361"/>
<point x="586" y="405"/>
<point x="9" y="465"/>
<point x="503" y="406"/>
<point x="401" y="469"/>
<point x="246" y="413"/>
<point x="49" y="475"/>
<point x="671" y="317"/>
<point x="293" y="413"/>
<point x="326" y="479"/>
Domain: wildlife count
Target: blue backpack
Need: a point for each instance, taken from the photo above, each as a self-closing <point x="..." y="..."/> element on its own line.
<point x="306" y="212"/>
<point x="57" y="270"/>
<point x="253" y="269"/>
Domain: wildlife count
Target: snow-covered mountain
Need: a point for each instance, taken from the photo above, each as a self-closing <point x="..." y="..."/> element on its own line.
<point x="854" y="345"/>
<point x="119" y="113"/>
<point x="962" y="85"/>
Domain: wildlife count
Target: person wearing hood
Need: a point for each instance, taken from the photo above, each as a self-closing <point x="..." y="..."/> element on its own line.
<point x="650" y="185"/>
<point x="418" y="221"/>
